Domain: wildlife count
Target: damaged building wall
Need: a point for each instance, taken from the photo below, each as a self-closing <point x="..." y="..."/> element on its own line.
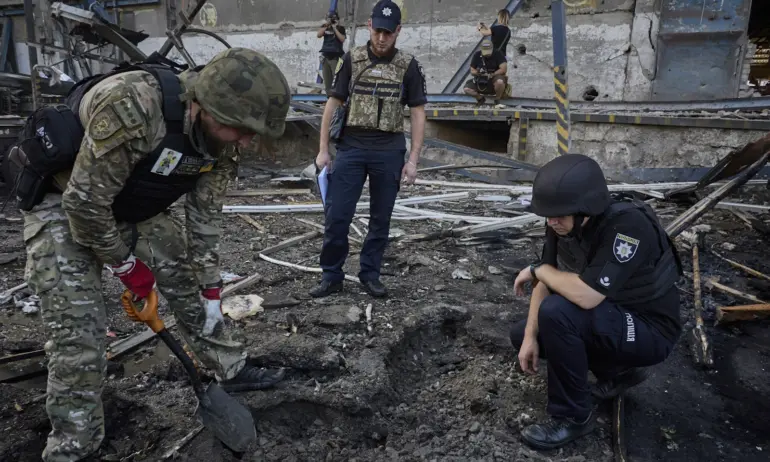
<point x="439" y="32"/>
<point x="604" y="68"/>
<point x="701" y="48"/>
<point x="634" y="146"/>
<point x="613" y="45"/>
<point x="641" y="65"/>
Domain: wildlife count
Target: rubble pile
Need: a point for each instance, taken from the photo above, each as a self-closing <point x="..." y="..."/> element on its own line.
<point x="426" y="374"/>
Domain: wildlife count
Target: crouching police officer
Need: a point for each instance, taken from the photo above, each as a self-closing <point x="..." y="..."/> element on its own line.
<point x="149" y="136"/>
<point x="604" y="297"/>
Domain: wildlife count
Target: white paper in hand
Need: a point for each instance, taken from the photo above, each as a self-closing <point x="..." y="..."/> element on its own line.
<point x="323" y="184"/>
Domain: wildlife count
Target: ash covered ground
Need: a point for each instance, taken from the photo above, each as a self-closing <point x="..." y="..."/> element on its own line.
<point x="436" y="377"/>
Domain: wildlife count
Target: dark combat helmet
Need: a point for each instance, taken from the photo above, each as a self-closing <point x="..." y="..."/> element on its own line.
<point x="571" y="184"/>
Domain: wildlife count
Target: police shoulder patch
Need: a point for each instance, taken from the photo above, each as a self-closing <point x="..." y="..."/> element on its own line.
<point x="339" y="65"/>
<point x="103" y="124"/>
<point x="624" y="247"/>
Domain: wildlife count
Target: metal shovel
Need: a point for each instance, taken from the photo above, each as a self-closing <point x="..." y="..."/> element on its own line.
<point x="227" y="419"/>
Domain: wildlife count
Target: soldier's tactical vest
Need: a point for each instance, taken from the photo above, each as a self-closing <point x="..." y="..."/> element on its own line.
<point x="375" y="96"/>
<point x="179" y="165"/>
<point x="652" y="280"/>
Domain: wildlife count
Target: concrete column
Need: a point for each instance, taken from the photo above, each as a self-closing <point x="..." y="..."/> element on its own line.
<point x="641" y="67"/>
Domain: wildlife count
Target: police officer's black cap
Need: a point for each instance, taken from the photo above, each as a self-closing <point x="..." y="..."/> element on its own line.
<point x="386" y="15"/>
<point x="571" y="184"/>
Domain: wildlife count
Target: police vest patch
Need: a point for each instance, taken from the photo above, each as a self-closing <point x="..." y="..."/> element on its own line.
<point x="624" y="247"/>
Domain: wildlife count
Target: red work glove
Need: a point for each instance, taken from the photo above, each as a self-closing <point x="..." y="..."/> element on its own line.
<point x="136" y="276"/>
<point x="213" y="305"/>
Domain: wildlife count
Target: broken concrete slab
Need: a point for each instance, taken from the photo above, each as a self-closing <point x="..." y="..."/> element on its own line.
<point x="335" y="316"/>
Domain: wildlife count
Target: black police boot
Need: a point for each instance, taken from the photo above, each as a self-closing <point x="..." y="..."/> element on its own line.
<point x="326" y="288"/>
<point x="608" y="389"/>
<point x="252" y="378"/>
<point x="375" y="288"/>
<point x="557" y="432"/>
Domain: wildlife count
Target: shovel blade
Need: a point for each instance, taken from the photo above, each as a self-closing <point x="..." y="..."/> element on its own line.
<point x="230" y="421"/>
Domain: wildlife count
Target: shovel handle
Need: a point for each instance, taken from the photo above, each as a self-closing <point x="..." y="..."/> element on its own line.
<point x="147" y="314"/>
<point x="189" y="367"/>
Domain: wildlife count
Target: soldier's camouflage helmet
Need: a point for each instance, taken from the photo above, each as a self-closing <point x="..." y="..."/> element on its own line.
<point x="243" y="88"/>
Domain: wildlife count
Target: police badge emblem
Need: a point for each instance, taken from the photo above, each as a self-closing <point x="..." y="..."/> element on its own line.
<point x="624" y="247"/>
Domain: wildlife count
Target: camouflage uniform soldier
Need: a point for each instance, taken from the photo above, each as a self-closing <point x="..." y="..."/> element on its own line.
<point x="113" y="210"/>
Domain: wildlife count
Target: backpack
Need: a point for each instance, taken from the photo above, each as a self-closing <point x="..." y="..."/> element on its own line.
<point x="50" y="139"/>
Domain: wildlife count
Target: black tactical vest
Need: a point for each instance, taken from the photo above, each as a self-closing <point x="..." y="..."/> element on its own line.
<point x="652" y="280"/>
<point x="331" y="45"/>
<point x="146" y="193"/>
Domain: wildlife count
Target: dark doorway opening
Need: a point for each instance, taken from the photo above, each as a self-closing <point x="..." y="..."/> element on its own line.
<point x="759" y="48"/>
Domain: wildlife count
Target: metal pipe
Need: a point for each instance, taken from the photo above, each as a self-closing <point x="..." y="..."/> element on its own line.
<point x="188" y="19"/>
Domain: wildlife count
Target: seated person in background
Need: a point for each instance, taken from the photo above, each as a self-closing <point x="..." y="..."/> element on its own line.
<point x="604" y="296"/>
<point x="500" y="32"/>
<point x="488" y="68"/>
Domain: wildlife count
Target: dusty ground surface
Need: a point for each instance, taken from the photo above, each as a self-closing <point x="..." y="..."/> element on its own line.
<point x="435" y="380"/>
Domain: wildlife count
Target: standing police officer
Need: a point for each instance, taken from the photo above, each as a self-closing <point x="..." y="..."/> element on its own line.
<point x="604" y="297"/>
<point x="374" y="82"/>
<point x="331" y="51"/>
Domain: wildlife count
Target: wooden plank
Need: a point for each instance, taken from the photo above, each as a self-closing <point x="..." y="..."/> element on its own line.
<point x="741" y="267"/>
<point x="502" y="224"/>
<point x="686" y="219"/>
<point x="744" y="207"/>
<point x="22" y="356"/>
<point x="291" y="242"/>
<point x="252" y="222"/>
<point x="243" y="283"/>
<point x="266" y="192"/>
<point x="711" y="283"/>
<point x="121" y="347"/>
<point x="727" y="314"/>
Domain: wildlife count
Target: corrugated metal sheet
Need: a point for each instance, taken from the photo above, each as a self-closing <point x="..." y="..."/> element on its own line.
<point x="700" y="49"/>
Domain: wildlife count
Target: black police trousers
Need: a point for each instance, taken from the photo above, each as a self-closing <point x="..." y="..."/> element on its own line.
<point x="605" y="340"/>
<point x="346" y="182"/>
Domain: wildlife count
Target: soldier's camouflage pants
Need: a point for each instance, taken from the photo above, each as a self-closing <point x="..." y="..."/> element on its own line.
<point x="67" y="278"/>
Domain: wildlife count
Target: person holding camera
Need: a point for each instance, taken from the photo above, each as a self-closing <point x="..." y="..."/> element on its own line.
<point x="488" y="68"/>
<point x="331" y="51"/>
<point x="500" y="33"/>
